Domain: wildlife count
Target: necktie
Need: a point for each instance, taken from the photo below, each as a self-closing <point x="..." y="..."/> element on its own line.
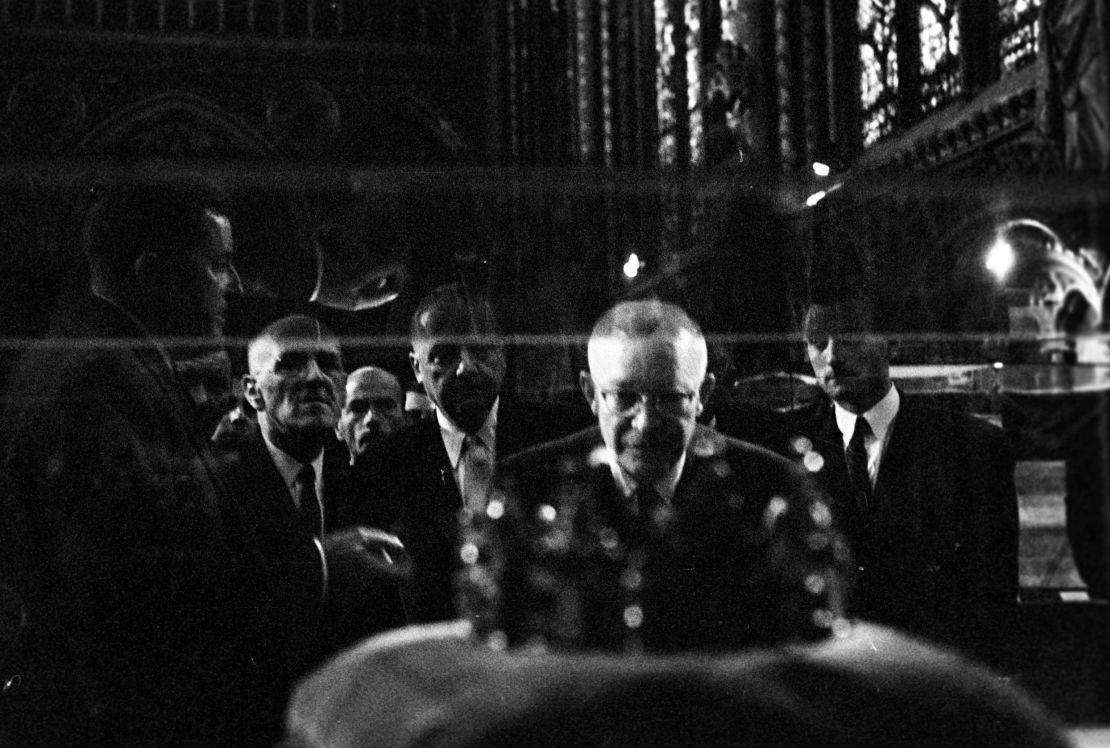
<point x="856" y="457"/>
<point x="645" y="501"/>
<point x="650" y="514"/>
<point x="309" y="510"/>
<point x="477" y="472"/>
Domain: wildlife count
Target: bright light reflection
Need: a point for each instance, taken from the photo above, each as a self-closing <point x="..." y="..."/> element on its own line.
<point x="632" y="265"/>
<point x="815" y="198"/>
<point x="820" y="169"/>
<point x="1001" y="258"/>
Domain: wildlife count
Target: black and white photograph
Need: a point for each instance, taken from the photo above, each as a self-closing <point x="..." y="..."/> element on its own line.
<point x="512" y="373"/>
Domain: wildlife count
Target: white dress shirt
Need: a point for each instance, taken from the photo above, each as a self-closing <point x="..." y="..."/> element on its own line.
<point x="881" y="420"/>
<point x="454" y="438"/>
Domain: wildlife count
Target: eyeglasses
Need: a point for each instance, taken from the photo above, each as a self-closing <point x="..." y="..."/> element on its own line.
<point x="623" y="402"/>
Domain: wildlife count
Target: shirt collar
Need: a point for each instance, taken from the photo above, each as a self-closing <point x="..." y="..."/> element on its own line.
<point x="879" y="417"/>
<point x="453" y="436"/>
<point x="665" y="486"/>
<point x="289" y="466"/>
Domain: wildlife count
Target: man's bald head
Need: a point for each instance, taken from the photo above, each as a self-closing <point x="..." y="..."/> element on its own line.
<point x="373" y="409"/>
<point x="296" y="332"/>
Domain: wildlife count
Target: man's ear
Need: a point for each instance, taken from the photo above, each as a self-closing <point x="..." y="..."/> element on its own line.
<point x="252" y="393"/>
<point x="706" y="391"/>
<point x="416" y="367"/>
<point x="586" y="384"/>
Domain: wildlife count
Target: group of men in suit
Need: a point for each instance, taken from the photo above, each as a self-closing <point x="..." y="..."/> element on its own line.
<point x="155" y="609"/>
<point x="173" y="595"/>
<point x="651" y="532"/>
<point x="931" y="518"/>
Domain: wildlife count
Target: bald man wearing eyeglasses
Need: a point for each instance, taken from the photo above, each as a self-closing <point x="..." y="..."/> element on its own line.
<point x="705" y="537"/>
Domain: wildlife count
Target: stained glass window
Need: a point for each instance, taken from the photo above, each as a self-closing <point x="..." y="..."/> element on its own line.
<point x="878" y="67"/>
<point x="940" y="52"/>
<point x="668" y="22"/>
<point x="665" y="98"/>
<point x="1018" y="33"/>
<point x="693" y="79"/>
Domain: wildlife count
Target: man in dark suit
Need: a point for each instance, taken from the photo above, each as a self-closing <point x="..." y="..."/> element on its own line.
<point x="927" y="495"/>
<point x="650" y="530"/>
<point x="294" y="384"/>
<point x="424" y="474"/>
<point x="294" y="479"/>
<point x="149" y="611"/>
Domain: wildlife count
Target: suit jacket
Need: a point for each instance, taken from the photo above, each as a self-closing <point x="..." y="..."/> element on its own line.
<point x="149" y="612"/>
<point x="869" y="688"/>
<point x="725" y="565"/>
<point x="411" y="489"/>
<point x="937" y="555"/>
<point x="252" y="472"/>
<point x="253" y="478"/>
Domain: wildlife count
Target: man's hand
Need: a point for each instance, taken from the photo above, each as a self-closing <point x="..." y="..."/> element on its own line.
<point x="363" y="558"/>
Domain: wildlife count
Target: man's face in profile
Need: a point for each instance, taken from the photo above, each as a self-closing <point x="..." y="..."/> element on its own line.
<point x="207" y="277"/>
<point x="850" y="362"/>
<point x="647" y="394"/>
<point x="461" y="367"/>
<point x="372" y="410"/>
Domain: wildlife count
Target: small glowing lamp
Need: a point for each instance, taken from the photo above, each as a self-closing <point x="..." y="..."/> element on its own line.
<point x="821" y="169"/>
<point x="632" y="265"/>
<point x="1001" y="258"/>
<point x="815" y="198"/>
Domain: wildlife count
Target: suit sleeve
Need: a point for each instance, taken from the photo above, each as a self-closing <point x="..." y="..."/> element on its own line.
<point x="134" y="568"/>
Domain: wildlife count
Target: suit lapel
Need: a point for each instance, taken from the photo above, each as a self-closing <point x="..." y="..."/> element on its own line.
<point x="833" y="474"/>
<point x="830" y="444"/>
<point x="509" y="436"/>
<point x="686" y="494"/>
<point x="437" y="464"/>
<point x="339" y="486"/>
<point x="902" y="457"/>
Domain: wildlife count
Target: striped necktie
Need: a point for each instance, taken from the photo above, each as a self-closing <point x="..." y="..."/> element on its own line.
<point x="477" y="472"/>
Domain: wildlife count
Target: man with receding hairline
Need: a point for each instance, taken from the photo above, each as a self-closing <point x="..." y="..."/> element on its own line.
<point x="152" y="617"/>
<point x="649" y="533"/>
<point x="426" y="473"/>
<point x="294" y="384"/>
<point x="373" y="409"/>
<point x="660" y="350"/>
<point x="294" y="480"/>
<point x="692" y="515"/>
